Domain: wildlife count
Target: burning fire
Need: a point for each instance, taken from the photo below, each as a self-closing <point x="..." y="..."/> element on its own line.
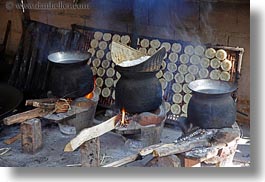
<point x="91" y="94"/>
<point x="123" y="117"/>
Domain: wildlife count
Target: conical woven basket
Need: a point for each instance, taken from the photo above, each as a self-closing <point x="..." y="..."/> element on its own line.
<point x="121" y="52"/>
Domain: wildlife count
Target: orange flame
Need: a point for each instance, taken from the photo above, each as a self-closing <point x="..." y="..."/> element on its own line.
<point x="91" y="94"/>
<point x="123" y="116"/>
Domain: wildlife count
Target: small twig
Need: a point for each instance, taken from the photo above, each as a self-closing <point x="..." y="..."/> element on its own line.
<point x="103" y="158"/>
<point x="74" y="165"/>
<point x="5" y="150"/>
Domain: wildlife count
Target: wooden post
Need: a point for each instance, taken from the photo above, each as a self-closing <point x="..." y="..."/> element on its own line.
<point x="31" y="136"/>
<point x="90" y="151"/>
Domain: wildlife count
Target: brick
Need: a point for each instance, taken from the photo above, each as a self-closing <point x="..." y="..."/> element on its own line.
<point x="168" y="161"/>
<point x="31" y="136"/>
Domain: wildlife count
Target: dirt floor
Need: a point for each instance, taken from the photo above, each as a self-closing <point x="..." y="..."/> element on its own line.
<point x="113" y="147"/>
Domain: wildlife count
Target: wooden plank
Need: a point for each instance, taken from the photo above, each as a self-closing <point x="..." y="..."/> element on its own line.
<point x="148" y="150"/>
<point x="13" y="139"/>
<point x="90" y="133"/>
<point x="90" y="151"/>
<point x="123" y="161"/>
<point x="21" y="117"/>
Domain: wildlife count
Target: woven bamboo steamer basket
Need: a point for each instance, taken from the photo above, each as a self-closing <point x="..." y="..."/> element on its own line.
<point x="121" y="52"/>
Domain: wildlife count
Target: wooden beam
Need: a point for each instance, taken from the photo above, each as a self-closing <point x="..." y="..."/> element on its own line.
<point x="90" y="133"/>
<point x="21" y="117"/>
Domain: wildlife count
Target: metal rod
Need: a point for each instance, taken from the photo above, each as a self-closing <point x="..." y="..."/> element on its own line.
<point x="238" y="49"/>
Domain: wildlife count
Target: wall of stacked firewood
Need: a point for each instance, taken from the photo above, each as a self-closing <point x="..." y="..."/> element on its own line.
<point x="222" y="22"/>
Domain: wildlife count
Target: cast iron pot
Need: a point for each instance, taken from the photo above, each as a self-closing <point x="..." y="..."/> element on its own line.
<point x="211" y="104"/>
<point x="70" y="76"/>
<point x="138" y="92"/>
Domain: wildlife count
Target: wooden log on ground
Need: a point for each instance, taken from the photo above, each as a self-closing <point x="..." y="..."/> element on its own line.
<point x="90" y="151"/>
<point x="21" y="117"/>
<point x="170" y="149"/>
<point x="123" y="161"/>
<point x="203" y="140"/>
<point x="31" y="136"/>
<point x="90" y="133"/>
<point x="13" y="139"/>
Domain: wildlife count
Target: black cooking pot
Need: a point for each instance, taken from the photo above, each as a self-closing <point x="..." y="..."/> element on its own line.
<point x="10" y="98"/>
<point x="138" y="92"/>
<point x="70" y="76"/>
<point x="211" y="104"/>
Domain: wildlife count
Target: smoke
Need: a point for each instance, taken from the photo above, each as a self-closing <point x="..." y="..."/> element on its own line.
<point x="181" y="19"/>
<point x="187" y="19"/>
<point x="205" y="10"/>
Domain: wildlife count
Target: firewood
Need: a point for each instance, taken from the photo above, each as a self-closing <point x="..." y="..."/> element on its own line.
<point x="148" y="150"/>
<point x="44" y="100"/>
<point x="123" y="161"/>
<point x="90" y="133"/>
<point x="170" y="149"/>
<point x="43" y="105"/>
<point x="203" y="140"/>
<point x="21" y="117"/>
<point x="13" y="139"/>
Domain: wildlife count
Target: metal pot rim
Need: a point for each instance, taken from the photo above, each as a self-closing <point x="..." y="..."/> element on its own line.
<point x="212" y="87"/>
<point x="68" y="57"/>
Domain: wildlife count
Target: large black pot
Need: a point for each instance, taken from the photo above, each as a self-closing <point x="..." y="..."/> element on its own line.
<point x="211" y="104"/>
<point x="138" y="92"/>
<point x="70" y="76"/>
<point x="10" y="99"/>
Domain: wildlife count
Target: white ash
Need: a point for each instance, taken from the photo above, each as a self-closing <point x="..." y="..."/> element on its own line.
<point x="134" y="62"/>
